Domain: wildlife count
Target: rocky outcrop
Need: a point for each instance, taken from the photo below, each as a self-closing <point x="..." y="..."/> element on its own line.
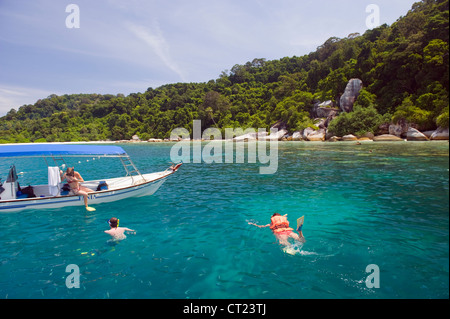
<point x="310" y="134"/>
<point x="349" y="137"/>
<point x="325" y="110"/>
<point x="414" y="135"/>
<point x="366" y="136"/>
<point x="307" y="131"/>
<point x="440" y="134"/>
<point x="316" y="136"/>
<point x="350" y="95"/>
<point x="321" y="123"/>
<point x="334" y="138"/>
<point x="297" y="136"/>
<point x="428" y="133"/>
<point x="383" y="128"/>
<point x="326" y="104"/>
<point x="246" y="137"/>
<point x="407" y="130"/>
<point x="274" y="135"/>
<point x="399" y="129"/>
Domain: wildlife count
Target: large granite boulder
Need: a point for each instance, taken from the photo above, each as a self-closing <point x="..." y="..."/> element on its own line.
<point x="307" y="131"/>
<point x="310" y="134"/>
<point x="316" y="136"/>
<point x="386" y="137"/>
<point x="275" y="135"/>
<point x="325" y="109"/>
<point x="414" y="135"/>
<point x="399" y="129"/>
<point x="246" y="137"/>
<point x="428" y="133"/>
<point x="321" y="123"/>
<point x="327" y="112"/>
<point x="350" y="95"/>
<point x="440" y="134"/>
<point x="278" y="131"/>
<point x="297" y="136"/>
<point x="349" y="137"/>
<point x="383" y="128"/>
<point x="334" y="138"/>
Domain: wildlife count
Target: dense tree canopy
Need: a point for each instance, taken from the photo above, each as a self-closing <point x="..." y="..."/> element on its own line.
<point x="404" y="68"/>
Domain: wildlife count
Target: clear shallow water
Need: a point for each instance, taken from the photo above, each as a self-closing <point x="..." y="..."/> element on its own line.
<point x="387" y="207"/>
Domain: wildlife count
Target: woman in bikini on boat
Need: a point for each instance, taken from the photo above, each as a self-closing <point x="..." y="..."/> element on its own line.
<point x="74" y="180"/>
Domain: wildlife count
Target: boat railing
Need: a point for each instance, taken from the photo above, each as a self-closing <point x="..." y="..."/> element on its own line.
<point x="130" y="168"/>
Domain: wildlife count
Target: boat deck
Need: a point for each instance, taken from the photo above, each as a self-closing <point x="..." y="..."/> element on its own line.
<point x="113" y="183"/>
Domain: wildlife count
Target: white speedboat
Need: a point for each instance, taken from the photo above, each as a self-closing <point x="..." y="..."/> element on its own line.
<point x="55" y="193"/>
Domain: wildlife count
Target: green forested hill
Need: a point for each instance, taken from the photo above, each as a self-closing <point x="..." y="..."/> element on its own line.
<point x="404" y="69"/>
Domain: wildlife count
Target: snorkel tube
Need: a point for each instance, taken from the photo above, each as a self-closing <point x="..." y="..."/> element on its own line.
<point x="114" y="224"/>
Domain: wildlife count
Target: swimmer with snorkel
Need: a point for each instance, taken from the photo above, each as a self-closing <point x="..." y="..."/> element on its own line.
<point x="115" y="231"/>
<point x="280" y="227"/>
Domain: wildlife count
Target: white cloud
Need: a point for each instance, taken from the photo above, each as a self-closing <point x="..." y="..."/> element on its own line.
<point x="12" y="97"/>
<point x="147" y="43"/>
<point x="156" y="41"/>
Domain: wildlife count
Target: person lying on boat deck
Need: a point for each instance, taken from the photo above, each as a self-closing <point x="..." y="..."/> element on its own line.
<point x="74" y="180"/>
<point x="115" y="231"/>
<point x="280" y="227"/>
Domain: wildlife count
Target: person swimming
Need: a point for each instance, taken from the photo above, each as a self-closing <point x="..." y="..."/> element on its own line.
<point x="280" y="227"/>
<point x="115" y="231"/>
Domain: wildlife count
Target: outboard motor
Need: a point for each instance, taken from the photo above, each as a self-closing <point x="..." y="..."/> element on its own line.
<point x="10" y="187"/>
<point x="1" y="187"/>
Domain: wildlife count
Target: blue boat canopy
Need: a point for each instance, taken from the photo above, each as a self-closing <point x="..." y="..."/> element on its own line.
<point x="28" y="150"/>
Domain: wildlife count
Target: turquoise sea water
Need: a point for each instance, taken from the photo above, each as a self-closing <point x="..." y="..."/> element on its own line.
<point x="387" y="207"/>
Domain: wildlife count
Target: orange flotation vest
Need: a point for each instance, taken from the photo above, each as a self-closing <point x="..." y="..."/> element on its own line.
<point x="279" y="224"/>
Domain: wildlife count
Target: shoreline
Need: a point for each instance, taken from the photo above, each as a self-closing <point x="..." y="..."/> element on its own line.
<point x="352" y="142"/>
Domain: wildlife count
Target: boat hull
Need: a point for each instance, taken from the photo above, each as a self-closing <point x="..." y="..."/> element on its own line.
<point x="140" y="188"/>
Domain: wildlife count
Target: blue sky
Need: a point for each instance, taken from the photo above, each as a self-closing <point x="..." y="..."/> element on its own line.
<point x="128" y="46"/>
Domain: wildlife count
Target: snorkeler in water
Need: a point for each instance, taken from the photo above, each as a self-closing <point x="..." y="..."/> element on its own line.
<point x="115" y="231"/>
<point x="280" y="227"/>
